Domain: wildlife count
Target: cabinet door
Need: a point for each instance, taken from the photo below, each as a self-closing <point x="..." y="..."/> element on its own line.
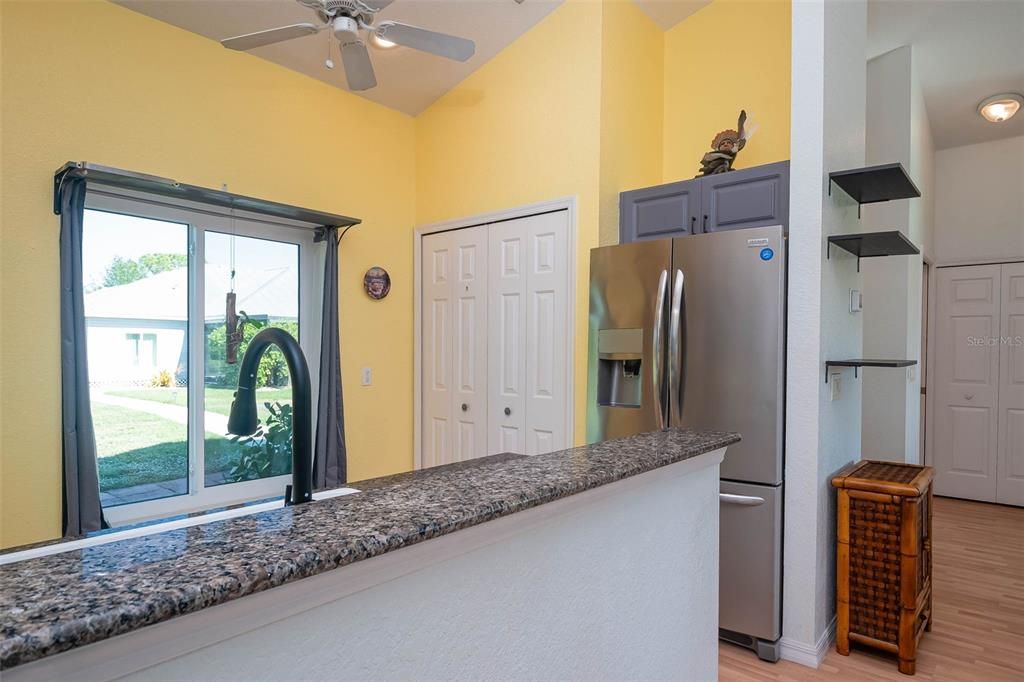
<point x="752" y="197"/>
<point x="657" y="212"/>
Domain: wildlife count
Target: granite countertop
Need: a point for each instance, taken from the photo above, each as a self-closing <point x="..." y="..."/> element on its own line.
<point x="58" y="602"/>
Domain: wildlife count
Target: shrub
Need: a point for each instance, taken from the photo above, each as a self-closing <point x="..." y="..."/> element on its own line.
<point x="273" y="370"/>
<point x="268" y="452"/>
<point x="162" y="379"/>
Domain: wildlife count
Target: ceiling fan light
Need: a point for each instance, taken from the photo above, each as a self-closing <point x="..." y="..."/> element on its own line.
<point x="999" y="108"/>
<point x="382" y="43"/>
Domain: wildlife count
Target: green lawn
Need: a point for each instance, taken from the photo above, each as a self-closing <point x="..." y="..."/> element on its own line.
<point x="217" y="399"/>
<point x="136" y="447"/>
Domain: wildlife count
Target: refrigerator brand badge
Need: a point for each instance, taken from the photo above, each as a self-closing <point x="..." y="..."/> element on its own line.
<point x="753" y="243"/>
<point x="767" y="253"/>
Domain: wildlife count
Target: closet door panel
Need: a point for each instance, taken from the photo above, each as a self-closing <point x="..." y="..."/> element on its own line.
<point x="1010" y="467"/>
<point x="967" y="382"/>
<point x="435" y="289"/>
<point x="469" y="344"/>
<point x="506" y="414"/>
<point x="547" y="331"/>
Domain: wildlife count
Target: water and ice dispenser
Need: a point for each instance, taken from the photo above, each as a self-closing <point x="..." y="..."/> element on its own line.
<point x="620" y="360"/>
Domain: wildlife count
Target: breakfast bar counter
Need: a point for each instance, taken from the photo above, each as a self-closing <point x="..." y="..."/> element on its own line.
<point x="588" y="531"/>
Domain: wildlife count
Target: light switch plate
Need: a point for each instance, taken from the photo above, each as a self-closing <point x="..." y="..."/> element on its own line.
<point x="367" y="377"/>
<point x="856" y="301"/>
<point x="834" y="381"/>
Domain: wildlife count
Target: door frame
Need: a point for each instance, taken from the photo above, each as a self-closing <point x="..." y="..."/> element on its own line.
<point x="929" y="402"/>
<point x="486" y="220"/>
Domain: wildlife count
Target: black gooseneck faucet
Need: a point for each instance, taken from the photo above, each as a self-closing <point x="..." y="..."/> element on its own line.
<point x="243" y="421"/>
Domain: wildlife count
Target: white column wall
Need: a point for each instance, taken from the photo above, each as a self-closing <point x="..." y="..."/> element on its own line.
<point x="828" y="122"/>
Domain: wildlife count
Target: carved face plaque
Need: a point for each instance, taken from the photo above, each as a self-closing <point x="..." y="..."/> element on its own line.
<point x="377" y="283"/>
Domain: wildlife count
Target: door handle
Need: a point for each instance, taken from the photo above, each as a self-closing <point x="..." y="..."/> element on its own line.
<point x="675" y="351"/>
<point x="465" y="407"/>
<point x="693" y="224"/>
<point x="656" y="348"/>
<point x="704" y="228"/>
<point x="742" y="500"/>
<point x="969" y="396"/>
<point x="508" y="411"/>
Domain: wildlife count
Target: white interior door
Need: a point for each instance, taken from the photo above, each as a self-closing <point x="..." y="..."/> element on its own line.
<point x="454" y="360"/>
<point x="1010" y="468"/>
<point x="528" y="332"/>
<point x="966" y="381"/>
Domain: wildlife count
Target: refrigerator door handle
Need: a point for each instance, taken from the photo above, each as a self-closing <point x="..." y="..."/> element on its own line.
<point x="743" y="500"/>
<point x="675" y="360"/>
<point x="657" y="350"/>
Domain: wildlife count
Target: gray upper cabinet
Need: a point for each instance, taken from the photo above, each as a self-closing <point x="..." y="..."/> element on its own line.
<point x="657" y="212"/>
<point x="752" y="197"/>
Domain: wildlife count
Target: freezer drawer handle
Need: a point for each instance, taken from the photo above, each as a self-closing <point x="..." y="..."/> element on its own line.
<point x="744" y="500"/>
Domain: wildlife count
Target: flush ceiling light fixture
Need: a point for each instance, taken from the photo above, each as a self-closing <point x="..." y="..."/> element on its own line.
<point x="999" y="108"/>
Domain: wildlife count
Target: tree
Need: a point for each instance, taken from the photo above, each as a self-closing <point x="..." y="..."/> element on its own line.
<point x="273" y="370"/>
<point x="127" y="270"/>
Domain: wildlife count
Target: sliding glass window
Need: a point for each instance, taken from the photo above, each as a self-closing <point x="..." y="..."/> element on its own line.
<point x="173" y="294"/>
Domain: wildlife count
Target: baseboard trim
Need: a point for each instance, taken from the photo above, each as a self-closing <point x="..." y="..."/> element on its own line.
<point x="810" y="656"/>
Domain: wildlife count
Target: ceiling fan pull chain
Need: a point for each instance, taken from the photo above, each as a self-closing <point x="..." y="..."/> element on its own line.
<point x="329" y="63"/>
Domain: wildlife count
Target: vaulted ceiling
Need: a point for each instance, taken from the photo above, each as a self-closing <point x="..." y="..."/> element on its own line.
<point x="407" y="80"/>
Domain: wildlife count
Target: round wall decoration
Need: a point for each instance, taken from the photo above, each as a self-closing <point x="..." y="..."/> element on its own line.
<point x="377" y="283"/>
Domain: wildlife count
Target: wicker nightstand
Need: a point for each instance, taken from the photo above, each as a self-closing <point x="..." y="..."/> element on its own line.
<point x="884" y="557"/>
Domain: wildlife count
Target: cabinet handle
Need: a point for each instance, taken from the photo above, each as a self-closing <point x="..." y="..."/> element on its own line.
<point x="508" y="411"/>
<point x="465" y="407"/>
<point x="704" y="228"/>
<point x="693" y="224"/>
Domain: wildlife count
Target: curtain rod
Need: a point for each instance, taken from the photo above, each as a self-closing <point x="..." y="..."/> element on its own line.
<point x="166" y="187"/>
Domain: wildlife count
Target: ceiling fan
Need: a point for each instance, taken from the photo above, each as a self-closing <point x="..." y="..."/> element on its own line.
<point x="349" y="20"/>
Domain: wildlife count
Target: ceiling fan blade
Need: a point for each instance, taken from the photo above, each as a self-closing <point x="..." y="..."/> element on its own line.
<point x="358" y="67"/>
<point x="270" y="36"/>
<point x="377" y="5"/>
<point x="441" y="44"/>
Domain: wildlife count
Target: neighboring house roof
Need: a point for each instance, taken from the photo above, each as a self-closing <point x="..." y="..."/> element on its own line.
<point x="272" y="293"/>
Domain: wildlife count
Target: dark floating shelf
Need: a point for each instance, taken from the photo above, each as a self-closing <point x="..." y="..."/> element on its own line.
<point x="873" y="244"/>
<point x="865" y="362"/>
<point x="875" y="183"/>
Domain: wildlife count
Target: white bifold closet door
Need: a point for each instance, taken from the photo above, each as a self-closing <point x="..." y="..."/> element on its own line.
<point x="1010" y="466"/>
<point x="527" y="334"/>
<point x="978" y="446"/>
<point x="495" y="329"/>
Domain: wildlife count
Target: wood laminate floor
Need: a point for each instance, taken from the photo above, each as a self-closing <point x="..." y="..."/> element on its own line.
<point x="978" y="631"/>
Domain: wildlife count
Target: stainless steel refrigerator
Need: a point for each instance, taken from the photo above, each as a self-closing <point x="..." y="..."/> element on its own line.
<point x="691" y="332"/>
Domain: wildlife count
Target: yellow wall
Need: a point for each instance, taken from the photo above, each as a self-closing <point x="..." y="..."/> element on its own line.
<point x="93" y="81"/>
<point x="592" y="101"/>
<point x="521" y="129"/>
<point x="632" y="86"/>
<point x="730" y="55"/>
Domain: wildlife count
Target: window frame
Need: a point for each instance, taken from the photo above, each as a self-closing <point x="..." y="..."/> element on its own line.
<point x="199" y="220"/>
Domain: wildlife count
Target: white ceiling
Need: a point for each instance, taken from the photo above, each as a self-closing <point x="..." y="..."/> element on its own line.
<point x="668" y="13"/>
<point x="963" y="52"/>
<point x="408" y="80"/>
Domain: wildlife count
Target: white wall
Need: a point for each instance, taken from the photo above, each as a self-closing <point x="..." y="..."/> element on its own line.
<point x="828" y="122"/>
<point x="897" y="130"/>
<point x="979" y="202"/>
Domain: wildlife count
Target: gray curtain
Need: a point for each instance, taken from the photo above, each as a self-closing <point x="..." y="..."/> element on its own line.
<point x="81" y="498"/>
<point x="329" y="455"/>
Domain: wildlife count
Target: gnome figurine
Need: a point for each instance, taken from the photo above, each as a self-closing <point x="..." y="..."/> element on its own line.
<point x="724" y="148"/>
